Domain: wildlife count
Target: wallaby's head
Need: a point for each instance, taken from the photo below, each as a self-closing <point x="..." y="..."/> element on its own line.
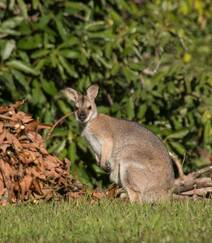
<point x="85" y="104"/>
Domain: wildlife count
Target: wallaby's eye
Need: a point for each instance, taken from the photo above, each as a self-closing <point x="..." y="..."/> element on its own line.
<point x="89" y="107"/>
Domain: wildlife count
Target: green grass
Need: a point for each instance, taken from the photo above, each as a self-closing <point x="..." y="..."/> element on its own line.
<point x="107" y="221"/>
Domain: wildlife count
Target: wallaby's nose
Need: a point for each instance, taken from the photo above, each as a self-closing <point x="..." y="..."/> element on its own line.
<point x="82" y="116"/>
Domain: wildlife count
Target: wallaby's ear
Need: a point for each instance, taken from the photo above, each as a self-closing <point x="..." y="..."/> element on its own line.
<point x="92" y="91"/>
<point x="71" y="94"/>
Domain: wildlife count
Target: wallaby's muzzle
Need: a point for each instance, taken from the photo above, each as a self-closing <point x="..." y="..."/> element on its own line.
<point x="81" y="116"/>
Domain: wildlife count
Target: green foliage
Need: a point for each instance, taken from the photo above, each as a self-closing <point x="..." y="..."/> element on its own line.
<point x="152" y="60"/>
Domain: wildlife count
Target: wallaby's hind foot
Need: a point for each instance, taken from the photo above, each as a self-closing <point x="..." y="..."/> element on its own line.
<point x="134" y="196"/>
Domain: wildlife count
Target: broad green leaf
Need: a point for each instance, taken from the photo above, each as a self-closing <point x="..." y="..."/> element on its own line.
<point x="98" y="169"/>
<point x="63" y="107"/>
<point x="142" y="110"/>
<point x="72" y="155"/>
<point x="70" y="42"/>
<point x="10" y="85"/>
<point x="207" y="132"/>
<point x="67" y="53"/>
<point x="178" y="134"/>
<point x="129" y="74"/>
<point x="30" y="42"/>
<point x="83" y="174"/>
<point x="23" y="8"/>
<point x="106" y="35"/>
<point x="95" y="26"/>
<point x="22" y="67"/>
<point x="82" y="144"/>
<point x="115" y="68"/>
<point x="76" y="6"/>
<point x="49" y="87"/>
<point x="35" y="4"/>
<point x="37" y="96"/>
<point x="59" y="132"/>
<point x="69" y="68"/>
<point x="60" y="147"/>
<point x="178" y="147"/>
<point x="21" y="79"/>
<point x="61" y="29"/>
<point x="39" y="53"/>
<point x="8" y="49"/>
<point x="12" y="22"/>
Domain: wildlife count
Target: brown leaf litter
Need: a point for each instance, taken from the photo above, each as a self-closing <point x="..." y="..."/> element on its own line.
<point x="27" y="170"/>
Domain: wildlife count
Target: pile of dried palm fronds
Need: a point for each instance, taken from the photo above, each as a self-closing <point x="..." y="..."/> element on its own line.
<point x="27" y="170"/>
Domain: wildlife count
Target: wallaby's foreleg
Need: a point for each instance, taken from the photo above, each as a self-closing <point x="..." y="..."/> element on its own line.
<point x="106" y="151"/>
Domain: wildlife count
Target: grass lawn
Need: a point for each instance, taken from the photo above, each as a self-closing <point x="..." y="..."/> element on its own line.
<point x="107" y="221"/>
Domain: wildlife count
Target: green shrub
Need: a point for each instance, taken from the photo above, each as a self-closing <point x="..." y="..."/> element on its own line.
<point x="152" y="60"/>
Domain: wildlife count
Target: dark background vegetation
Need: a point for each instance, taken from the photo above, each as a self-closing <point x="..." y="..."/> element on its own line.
<point x="152" y="60"/>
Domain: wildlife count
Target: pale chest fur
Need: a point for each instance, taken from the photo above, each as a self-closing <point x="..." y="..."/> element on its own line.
<point x="94" y="142"/>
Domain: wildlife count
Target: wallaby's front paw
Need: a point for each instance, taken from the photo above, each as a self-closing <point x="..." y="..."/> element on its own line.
<point x="107" y="166"/>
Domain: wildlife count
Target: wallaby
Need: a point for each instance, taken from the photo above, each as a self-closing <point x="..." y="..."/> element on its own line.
<point x="135" y="157"/>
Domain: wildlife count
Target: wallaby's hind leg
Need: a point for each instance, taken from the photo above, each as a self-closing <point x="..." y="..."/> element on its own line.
<point x="134" y="182"/>
<point x="132" y="189"/>
<point x="140" y="184"/>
